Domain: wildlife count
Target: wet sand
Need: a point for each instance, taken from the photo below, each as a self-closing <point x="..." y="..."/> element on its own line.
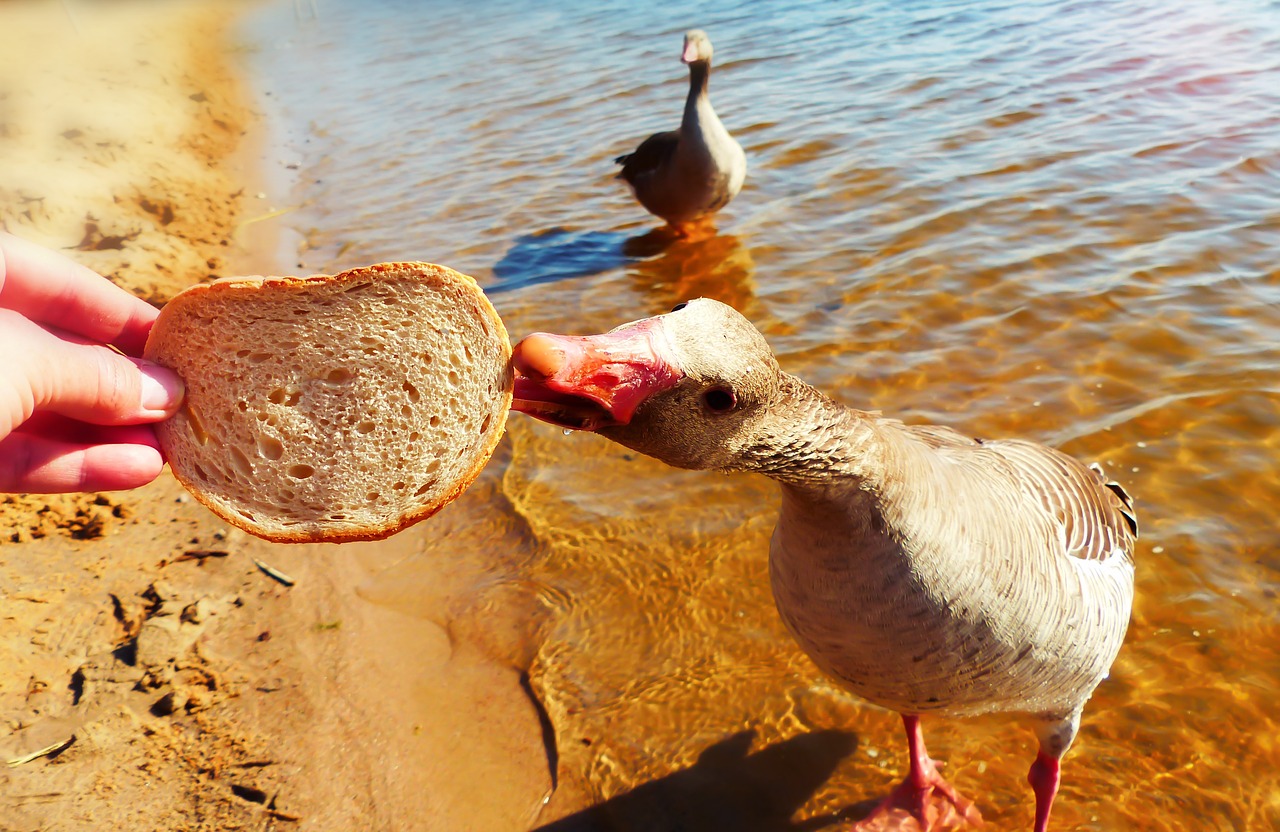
<point x="185" y="688"/>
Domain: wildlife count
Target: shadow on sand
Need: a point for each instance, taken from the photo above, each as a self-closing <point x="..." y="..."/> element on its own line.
<point x="728" y="788"/>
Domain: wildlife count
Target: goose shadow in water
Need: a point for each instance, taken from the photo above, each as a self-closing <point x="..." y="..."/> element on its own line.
<point x="673" y="266"/>
<point x="727" y="788"/>
<point x="559" y="254"/>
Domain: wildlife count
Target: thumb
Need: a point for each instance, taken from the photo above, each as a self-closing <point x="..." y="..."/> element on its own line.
<point x="95" y="384"/>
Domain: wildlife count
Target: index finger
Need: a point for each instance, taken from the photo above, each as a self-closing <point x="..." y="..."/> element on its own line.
<point x="52" y="289"/>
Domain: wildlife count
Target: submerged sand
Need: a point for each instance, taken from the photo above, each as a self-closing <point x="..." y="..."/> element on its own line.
<point x="179" y="685"/>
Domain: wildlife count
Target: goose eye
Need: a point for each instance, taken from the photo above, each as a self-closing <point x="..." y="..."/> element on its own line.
<point x="719" y="400"/>
<point x="679" y="306"/>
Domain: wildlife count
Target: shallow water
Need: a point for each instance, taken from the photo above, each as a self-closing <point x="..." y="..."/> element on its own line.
<point x="1055" y="220"/>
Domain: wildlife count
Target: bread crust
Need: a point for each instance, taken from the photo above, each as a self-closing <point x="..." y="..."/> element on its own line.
<point x="164" y="350"/>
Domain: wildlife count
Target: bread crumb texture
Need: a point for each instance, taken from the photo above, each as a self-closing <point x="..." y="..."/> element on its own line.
<point x="333" y="408"/>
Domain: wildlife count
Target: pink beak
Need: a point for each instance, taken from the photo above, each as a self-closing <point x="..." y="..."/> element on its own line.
<point x="690" y="53"/>
<point x="594" y="381"/>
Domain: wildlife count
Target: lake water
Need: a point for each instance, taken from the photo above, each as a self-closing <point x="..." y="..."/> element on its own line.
<point x="1053" y="220"/>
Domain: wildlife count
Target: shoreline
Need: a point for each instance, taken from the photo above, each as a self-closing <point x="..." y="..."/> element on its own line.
<point x="179" y="686"/>
<point x="124" y="146"/>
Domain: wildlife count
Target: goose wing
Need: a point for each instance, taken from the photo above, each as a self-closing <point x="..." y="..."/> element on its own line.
<point x="653" y="153"/>
<point x="1096" y="515"/>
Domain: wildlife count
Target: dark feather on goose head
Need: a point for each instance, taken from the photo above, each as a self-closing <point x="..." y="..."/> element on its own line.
<point x="692" y="388"/>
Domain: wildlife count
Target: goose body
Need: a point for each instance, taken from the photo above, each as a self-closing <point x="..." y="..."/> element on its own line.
<point x="941" y="577"/>
<point x="925" y="571"/>
<point x="685" y="174"/>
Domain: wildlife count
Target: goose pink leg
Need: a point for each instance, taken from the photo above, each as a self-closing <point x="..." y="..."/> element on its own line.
<point x="1043" y="778"/>
<point x="913" y="793"/>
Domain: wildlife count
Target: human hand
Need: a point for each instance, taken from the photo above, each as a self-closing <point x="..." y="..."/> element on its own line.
<point x="73" y="411"/>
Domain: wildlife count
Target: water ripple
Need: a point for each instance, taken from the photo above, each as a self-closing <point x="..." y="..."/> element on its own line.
<point x="1049" y="219"/>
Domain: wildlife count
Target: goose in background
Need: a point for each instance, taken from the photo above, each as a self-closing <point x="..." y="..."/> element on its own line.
<point x="693" y="171"/>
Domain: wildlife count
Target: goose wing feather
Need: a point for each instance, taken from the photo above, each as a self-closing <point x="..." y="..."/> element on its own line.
<point x="653" y="153"/>
<point x="1096" y="516"/>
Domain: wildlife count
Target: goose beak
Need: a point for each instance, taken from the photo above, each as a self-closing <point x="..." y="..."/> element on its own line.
<point x="595" y="381"/>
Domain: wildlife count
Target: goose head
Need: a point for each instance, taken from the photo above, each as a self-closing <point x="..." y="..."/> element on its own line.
<point x="697" y="47"/>
<point x="693" y="387"/>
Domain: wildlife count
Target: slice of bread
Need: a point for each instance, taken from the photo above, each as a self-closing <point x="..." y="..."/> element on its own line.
<point x="333" y="408"/>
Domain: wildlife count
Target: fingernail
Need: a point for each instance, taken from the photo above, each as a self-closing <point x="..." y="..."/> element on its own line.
<point x="162" y="389"/>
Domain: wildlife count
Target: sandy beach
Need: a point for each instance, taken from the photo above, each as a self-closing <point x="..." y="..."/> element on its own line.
<point x="154" y="676"/>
